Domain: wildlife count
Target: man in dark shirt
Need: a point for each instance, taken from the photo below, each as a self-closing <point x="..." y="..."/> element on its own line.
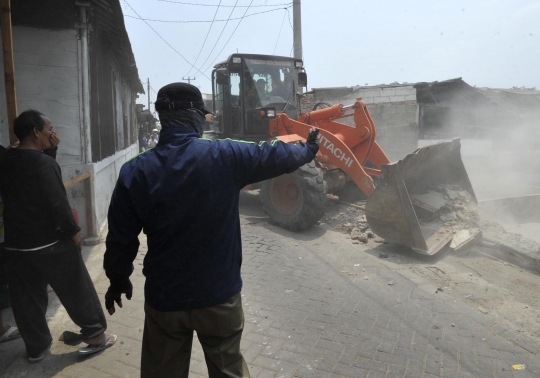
<point x="184" y="194"/>
<point x="42" y="243"/>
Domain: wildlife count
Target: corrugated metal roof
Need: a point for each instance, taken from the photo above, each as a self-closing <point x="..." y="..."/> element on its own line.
<point x="108" y="15"/>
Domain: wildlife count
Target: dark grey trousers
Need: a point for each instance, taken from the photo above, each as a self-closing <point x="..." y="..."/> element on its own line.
<point x="168" y="336"/>
<point x="62" y="267"/>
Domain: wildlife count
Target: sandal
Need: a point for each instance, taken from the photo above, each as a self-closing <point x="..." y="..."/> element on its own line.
<point x="91" y="349"/>
<point x="40" y="357"/>
<point x="8" y="335"/>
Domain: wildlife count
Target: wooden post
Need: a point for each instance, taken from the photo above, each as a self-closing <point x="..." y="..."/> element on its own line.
<point x="9" y="66"/>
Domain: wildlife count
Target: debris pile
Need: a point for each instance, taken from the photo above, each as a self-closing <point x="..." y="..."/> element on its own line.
<point x="452" y="207"/>
<point x="448" y="204"/>
<point x="351" y="220"/>
<point x="496" y="233"/>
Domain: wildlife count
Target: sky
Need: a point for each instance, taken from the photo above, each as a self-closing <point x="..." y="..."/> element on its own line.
<point x="489" y="43"/>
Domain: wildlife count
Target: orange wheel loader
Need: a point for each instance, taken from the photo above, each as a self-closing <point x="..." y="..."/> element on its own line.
<point x="255" y="98"/>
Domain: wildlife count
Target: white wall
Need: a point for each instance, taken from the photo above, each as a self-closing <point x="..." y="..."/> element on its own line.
<point x="46" y="78"/>
<point x="105" y="174"/>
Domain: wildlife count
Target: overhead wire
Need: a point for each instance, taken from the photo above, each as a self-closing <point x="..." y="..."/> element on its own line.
<point x="220" y="34"/>
<point x="225" y="6"/>
<point x="217" y="56"/>
<point x="237" y="25"/>
<point x="201" y="21"/>
<point x="279" y="34"/>
<point x="205" y="38"/>
<point x="290" y="23"/>
<point x="164" y="40"/>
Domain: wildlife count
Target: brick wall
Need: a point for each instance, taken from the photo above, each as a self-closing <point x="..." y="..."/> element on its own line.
<point x="386" y="94"/>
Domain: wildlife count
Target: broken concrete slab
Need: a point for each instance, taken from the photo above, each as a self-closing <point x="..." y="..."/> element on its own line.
<point x="465" y="239"/>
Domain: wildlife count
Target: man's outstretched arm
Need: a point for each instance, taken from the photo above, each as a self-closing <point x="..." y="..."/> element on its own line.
<point x="122" y="245"/>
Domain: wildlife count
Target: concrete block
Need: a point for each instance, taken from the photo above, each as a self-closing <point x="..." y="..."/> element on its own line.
<point x="369" y="93"/>
<point x="388" y="92"/>
<point x="405" y="91"/>
<point x="367" y="100"/>
<point x="382" y="99"/>
<point x="410" y="97"/>
<point x="397" y="98"/>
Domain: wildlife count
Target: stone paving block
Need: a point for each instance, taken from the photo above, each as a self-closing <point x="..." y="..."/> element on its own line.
<point x="415" y="369"/>
<point x="306" y="367"/>
<point x="391" y="358"/>
<point x="387" y="345"/>
<point x="456" y="374"/>
<point x="330" y="345"/>
<point x="271" y="348"/>
<point x="433" y="366"/>
<point x="369" y="348"/>
<point x="498" y="354"/>
<point x="349" y="371"/>
<point x="252" y="352"/>
<point x="330" y="332"/>
<point x="328" y="361"/>
<point x="409" y="354"/>
<point x="405" y="340"/>
<point x="265" y="373"/>
<point x="504" y="374"/>
<point x="369" y="364"/>
<point x="395" y="371"/>
<point x="482" y="348"/>
<point x="286" y="370"/>
<point x="324" y="374"/>
<point x="311" y="336"/>
<point x="120" y="370"/>
<point x="375" y="374"/>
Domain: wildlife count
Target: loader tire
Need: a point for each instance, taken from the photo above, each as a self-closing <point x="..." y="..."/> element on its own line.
<point x="297" y="200"/>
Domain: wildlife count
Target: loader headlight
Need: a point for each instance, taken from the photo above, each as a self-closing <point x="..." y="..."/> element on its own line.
<point x="298" y="64"/>
<point x="267" y="113"/>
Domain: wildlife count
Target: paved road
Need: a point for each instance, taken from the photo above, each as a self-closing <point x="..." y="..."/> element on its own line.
<point x="310" y="312"/>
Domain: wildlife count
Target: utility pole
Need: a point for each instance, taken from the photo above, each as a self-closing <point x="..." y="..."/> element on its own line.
<point x="148" y="93"/>
<point x="297" y="31"/>
<point x="188" y="79"/>
<point x="297" y="26"/>
<point x="9" y="66"/>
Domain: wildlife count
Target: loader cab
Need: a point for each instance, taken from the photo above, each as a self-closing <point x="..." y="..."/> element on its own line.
<point x="246" y="83"/>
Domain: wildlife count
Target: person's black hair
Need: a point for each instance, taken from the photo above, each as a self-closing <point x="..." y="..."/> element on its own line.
<point x="25" y="123"/>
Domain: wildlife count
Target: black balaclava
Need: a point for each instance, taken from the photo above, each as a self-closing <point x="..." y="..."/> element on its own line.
<point x="192" y="118"/>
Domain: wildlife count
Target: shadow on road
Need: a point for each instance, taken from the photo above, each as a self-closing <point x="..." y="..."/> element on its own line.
<point x="251" y="209"/>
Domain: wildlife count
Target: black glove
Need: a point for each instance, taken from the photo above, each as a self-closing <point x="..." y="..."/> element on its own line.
<point x="114" y="294"/>
<point x="312" y="141"/>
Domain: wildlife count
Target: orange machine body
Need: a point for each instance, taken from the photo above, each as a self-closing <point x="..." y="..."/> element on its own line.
<point x="352" y="149"/>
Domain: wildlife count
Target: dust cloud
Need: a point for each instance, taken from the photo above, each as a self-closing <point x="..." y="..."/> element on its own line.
<point x="500" y="138"/>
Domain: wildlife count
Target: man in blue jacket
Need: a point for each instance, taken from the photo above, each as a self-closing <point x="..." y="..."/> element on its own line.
<point x="184" y="194"/>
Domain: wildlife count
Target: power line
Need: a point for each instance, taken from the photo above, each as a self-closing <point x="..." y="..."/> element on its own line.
<point x="202" y="21"/>
<point x="279" y="34"/>
<point x="289" y="13"/>
<point x="163" y="39"/>
<point x="223" y="6"/>
<point x="230" y="36"/>
<point x="290" y="23"/>
<point x="220" y="34"/>
<point x="205" y="38"/>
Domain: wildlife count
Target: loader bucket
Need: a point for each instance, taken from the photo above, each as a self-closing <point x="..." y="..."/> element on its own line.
<point x="393" y="211"/>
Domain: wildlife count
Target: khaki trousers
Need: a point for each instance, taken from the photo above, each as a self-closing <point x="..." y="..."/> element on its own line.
<point x="168" y="336"/>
